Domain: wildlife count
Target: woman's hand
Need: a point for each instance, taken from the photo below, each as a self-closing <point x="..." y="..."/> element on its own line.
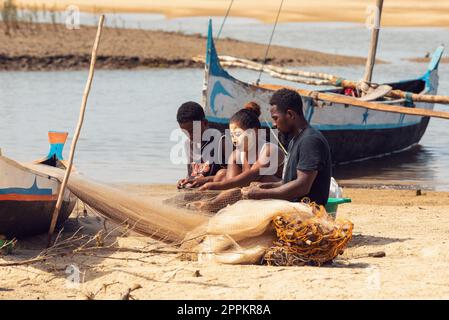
<point x="211" y="186"/>
<point x="251" y="192"/>
<point x="199" y="181"/>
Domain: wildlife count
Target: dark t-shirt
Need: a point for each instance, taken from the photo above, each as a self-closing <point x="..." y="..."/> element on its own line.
<point x="310" y="152"/>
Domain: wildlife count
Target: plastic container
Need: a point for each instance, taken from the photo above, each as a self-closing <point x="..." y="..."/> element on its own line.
<point x="332" y="205"/>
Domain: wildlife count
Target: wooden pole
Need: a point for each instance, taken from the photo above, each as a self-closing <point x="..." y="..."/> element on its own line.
<point x="373" y="45"/>
<point x="54" y="218"/>
<point x="336" y="98"/>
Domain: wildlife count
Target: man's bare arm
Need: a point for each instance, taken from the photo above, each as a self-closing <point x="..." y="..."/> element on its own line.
<point x="270" y="185"/>
<point x="290" y="191"/>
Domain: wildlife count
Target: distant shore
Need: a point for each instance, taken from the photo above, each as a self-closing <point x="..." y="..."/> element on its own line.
<point x="396" y="12"/>
<point x="427" y="60"/>
<point x="53" y="47"/>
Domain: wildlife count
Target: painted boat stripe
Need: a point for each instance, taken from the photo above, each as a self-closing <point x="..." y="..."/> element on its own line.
<point x="27" y="197"/>
<point x="325" y="127"/>
<point x="33" y="190"/>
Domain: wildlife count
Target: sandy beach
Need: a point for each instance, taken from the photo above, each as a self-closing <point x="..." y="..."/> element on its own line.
<point x="411" y="230"/>
<point x="396" y="12"/>
<point x="400" y="243"/>
<point x="53" y="47"/>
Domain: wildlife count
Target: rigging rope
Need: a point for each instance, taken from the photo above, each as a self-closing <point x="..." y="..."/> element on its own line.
<point x="269" y="43"/>
<point x="224" y="20"/>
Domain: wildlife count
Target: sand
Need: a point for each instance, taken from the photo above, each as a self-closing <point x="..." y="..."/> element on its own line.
<point x="411" y="230"/>
<point x="53" y="47"/>
<point x="396" y="12"/>
<point x="427" y="60"/>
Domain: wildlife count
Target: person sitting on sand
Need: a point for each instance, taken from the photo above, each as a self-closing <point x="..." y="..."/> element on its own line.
<point x="253" y="159"/>
<point x="199" y="172"/>
<point x="307" y="171"/>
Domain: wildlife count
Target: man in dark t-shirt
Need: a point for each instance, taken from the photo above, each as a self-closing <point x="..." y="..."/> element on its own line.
<point x="307" y="169"/>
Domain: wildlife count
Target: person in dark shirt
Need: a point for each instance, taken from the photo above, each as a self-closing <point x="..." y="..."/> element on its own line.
<point x="199" y="171"/>
<point x="307" y="170"/>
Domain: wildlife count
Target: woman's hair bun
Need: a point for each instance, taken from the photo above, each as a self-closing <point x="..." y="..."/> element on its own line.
<point x="254" y="107"/>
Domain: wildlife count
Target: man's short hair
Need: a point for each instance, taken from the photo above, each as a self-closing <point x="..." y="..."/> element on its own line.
<point x="189" y="112"/>
<point x="285" y="99"/>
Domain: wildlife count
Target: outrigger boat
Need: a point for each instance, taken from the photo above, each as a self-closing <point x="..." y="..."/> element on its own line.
<point x="28" y="198"/>
<point x="353" y="133"/>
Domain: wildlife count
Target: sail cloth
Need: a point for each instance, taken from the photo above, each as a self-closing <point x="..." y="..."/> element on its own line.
<point x="241" y="233"/>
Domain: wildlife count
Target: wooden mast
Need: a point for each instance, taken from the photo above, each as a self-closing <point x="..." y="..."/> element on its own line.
<point x="373" y="45"/>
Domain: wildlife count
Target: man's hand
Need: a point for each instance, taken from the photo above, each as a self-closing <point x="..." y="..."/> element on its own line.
<point x="193" y="182"/>
<point x="182" y="183"/>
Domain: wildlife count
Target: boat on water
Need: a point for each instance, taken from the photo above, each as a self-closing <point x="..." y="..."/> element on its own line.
<point x="28" y="198"/>
<point x="353" y="133"/>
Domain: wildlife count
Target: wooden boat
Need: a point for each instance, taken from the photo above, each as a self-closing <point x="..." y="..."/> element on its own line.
<point x="353" y="133"/>
<point x="28" y="198"/>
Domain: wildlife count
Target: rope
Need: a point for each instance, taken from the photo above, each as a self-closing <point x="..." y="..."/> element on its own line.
<point x="275" y="135"/>
<point x="269" y="43"/>
<point x="224" y="21"/>
<point x="409" y="99"/>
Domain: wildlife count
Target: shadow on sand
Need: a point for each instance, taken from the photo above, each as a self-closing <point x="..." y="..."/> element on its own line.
<point x="360" y="240"/>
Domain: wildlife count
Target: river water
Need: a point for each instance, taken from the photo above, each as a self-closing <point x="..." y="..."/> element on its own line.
<point x="131" y="113"/>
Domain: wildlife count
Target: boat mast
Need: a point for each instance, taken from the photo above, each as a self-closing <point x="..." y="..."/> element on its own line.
<point x="373" y="45"/>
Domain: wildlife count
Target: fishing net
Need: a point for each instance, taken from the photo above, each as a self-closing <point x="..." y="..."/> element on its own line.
<point x="241" y="232"/>
<point x="315" y="240"/>
<point x="206" y="201"/>
<point x="277" y="232"/>
<point x="145" y="215"/>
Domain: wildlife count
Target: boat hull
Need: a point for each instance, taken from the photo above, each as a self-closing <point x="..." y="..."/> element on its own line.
<point x="20" y="219"/>
<point x="27" y="201"/>
<point x="352" y="145"/>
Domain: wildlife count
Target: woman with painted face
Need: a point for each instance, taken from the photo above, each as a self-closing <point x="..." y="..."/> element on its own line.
<point x="254" y="159"/>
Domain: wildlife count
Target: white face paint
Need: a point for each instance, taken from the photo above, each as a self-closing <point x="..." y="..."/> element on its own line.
<point x="238" y="137"/>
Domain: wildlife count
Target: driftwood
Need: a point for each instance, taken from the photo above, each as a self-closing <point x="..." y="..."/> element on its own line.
<point x="306" y="77"/>
<point x="364" y="104"/>
<point x="319" y="78"/>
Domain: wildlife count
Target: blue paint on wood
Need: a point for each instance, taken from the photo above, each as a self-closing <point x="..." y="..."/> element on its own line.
<point x="217" y="90"/>
<point x="33" y="190"/>
<point x="333" y="127"/>
<point x="212" y="60"/>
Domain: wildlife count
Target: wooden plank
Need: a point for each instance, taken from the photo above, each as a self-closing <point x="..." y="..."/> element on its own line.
<point x="318" y="78"/>
<point x="362" y="104"/>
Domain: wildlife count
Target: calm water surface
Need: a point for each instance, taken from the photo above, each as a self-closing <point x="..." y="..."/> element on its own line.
<point x="131" y="113"/>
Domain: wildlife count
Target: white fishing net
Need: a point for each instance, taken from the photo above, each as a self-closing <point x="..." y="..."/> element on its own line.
<point x="242" y="232"/>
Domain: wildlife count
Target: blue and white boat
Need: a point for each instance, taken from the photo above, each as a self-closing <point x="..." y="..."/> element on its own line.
<point x="353" y="133"/>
